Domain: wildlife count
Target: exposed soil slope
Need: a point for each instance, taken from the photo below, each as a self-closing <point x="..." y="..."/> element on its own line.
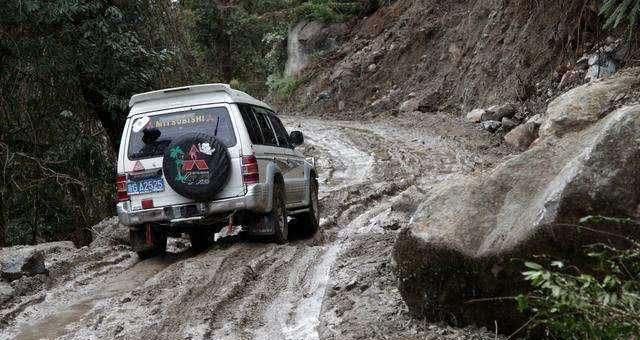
<point x="451" y="56"/>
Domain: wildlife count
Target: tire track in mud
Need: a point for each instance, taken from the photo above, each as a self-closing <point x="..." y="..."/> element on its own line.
<point x="297" y="314"/>
<point x="91" y="279"/>
<point x="371" y="176"/>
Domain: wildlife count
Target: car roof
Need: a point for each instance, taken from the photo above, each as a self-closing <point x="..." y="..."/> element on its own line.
<point x="189" y="96"/>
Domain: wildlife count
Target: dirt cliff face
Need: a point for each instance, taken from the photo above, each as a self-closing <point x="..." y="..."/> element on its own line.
<point x="450" y="56"/>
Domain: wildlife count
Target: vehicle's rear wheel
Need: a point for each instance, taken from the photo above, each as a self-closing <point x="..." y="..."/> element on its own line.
<point x="200" y="239"/>
<point x="278" y="215"/>
<point x="310" y="220"/>
<point x="148" y="240"/>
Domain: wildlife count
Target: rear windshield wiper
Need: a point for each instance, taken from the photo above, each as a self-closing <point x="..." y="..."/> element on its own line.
<point x="215" y="132"/>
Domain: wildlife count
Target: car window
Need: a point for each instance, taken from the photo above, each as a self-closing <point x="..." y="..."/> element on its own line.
<point x="212" y="121"/>
<point x="250" y="121"/>
<point x="265" y="126"/>
<point x="281" y="132"/>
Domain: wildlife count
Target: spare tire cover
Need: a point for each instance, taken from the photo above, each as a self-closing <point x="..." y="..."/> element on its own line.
<point x="196" y="166"/>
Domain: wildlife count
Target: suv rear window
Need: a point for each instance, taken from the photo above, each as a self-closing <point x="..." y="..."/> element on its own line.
<point x="253" y="129"/>
<point x="213" y="121"/>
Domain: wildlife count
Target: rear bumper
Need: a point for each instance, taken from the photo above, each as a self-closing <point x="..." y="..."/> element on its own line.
<point x="257" y="199"/>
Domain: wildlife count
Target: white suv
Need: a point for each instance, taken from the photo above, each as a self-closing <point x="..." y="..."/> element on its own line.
<point x="195" y="159"/>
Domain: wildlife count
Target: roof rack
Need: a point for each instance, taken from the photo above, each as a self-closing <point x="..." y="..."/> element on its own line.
<point x="186" y="90"/>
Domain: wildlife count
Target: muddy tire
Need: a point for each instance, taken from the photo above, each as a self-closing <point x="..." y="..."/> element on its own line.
<point x="200" y="240"/>
<point x="140" y="241"/>
<point x="278" y="215"/>
<point x="310" y="220"/>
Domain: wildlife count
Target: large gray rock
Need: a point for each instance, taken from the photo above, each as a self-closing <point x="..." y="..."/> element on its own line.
<point x="497" y="112"/>
<point x="27" y="261"/>
<point x="475" y="116"/>
<point x="463" y="240"/>
<point x="522" y="136"/>
<point x="19" y="261"/>
<point x="586" y="104"/>
<point x="307" y="38"/>
<point x="6" y="292"/>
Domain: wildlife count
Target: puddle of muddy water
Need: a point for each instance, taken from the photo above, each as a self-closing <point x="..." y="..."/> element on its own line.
<point x="55" y="326"/>
<point x="57" y="323"/>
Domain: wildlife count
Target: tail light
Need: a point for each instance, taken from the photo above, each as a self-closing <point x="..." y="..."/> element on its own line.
<point x="250" y="173"/>
<point x="147" y="203"/>
<point x="121" y="188"/>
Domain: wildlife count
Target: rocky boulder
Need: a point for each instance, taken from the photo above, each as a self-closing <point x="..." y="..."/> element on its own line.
<point x="462" y="242"/>
<point x="6" y="292"/>
<point x="20" y="262"/>
<point x="522" y="136"/>
<point x="586" y="104"/>
<point x="475" y="116"/>
<point x="497" y="112"/>
<point x="307" y="38"/>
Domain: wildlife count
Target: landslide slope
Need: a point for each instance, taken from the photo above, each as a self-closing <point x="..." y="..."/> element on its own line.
<point x="449" y="56"/>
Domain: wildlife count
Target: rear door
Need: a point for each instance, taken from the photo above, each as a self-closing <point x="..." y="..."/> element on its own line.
<point x="261" y="140"/>
<point x="279" y="152"/>
<point x="143" y="160"/>
<point x="295" y="163"/>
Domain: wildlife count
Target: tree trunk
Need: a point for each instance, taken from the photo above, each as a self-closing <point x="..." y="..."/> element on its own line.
<point x="112" y="121"/>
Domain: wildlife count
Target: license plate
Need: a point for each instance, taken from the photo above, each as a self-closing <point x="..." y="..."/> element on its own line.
<point x="145" y="186"/>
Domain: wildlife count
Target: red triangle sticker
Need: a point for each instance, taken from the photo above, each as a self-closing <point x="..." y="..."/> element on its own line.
<point x="201" y="165"/>
<point x="138" y="166"/>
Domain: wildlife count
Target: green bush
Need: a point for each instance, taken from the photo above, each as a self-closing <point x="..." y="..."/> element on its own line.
<point x="67" y="69"/>
<point x="617" y="12"/>
<point x="282" y="86"/>
<point x="600" y="300"/>
<point x="327" y="10"/>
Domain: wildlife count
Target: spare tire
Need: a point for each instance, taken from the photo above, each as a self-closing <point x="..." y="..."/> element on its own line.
<point x="196" y="166"/>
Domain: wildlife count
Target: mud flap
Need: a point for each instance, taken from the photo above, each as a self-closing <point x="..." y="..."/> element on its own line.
<point x="263" y="225"/>
<point x="147" y="240"/>
<point x="148" y="235"/>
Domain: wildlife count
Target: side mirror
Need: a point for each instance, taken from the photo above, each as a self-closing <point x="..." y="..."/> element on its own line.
<point x="296" y="138"/>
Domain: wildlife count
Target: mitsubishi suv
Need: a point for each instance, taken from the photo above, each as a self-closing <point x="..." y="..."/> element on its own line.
<point x="196" y="159"/>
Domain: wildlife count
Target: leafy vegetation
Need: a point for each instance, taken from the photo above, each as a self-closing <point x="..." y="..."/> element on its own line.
<point x="283" y="86"/>
<point x="617" y="12"/>
<point x="327" y="10"/>
<point x="600" y="300"/>
<point x="68" y="68"/>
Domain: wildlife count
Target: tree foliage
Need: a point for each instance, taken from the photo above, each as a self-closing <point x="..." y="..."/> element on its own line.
<point x="599" y="300"/>
<point x="68" y="68"/>
<point x="619" y="12"/>
<point x="246" y="40"/>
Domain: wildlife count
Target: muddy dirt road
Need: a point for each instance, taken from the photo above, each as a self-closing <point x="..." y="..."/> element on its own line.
<point x="337" y="285"/>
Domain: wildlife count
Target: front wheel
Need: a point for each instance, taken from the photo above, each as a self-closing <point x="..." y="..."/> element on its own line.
<point x="310" y="219"/>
